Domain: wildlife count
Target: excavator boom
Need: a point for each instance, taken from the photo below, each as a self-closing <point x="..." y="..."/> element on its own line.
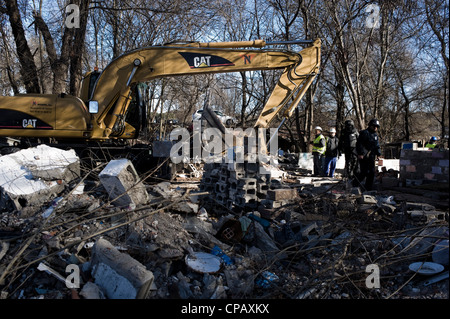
<point x="100" y="113"/>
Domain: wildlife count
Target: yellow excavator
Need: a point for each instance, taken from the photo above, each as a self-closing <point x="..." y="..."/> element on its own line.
<point x="103" y="111"/>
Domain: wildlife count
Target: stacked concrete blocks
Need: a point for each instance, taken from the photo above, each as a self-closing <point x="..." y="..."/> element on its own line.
<point x="424" y="166"/>
<point x="243" y="185"/>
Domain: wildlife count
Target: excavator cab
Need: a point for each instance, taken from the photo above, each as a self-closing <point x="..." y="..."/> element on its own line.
<point x="136" y="115"/>
<point x="88" y="84"/>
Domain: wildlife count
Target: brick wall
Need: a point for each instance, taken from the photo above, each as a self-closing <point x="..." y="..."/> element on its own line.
<point x="424" y="166"/>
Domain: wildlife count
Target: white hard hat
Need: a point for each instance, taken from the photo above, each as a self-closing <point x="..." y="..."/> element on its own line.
<point x="332" y="130"/>
<point x="318" y="128"/>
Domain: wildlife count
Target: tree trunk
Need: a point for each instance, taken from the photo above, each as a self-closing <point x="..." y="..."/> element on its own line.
<point x="244" y="98"/>
<point x="9" y="71"/>
<point x="28" y="67"/>
<point x="339" y="89"/>
<point x="59" y="66"/>
<point x="77" y="49"/>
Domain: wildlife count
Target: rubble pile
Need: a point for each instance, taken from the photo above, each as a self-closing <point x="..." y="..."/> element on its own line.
<point x="302" y="238"/>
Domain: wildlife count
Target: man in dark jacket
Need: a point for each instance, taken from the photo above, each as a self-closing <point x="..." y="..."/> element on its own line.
<point x="368" y="149"/>
<point x="331" y="153"/>
<point x="347" y="146"/>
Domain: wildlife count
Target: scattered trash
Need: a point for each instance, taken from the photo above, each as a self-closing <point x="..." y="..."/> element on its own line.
<point x="436" y="279"/>
<point x="50" y="210"/>
<point x="266" y="279"/>
<point x="203" y="262"/>
<point x="47" y="269"/>
<point x="217" y="251"/>
<point x="426" y="268"/>
<point x="267" y="234"/>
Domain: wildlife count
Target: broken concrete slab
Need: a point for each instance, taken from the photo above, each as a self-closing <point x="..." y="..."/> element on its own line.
<point x="32" y="176"/>
<point x="264" y="242"/>
<point x="118" y="274"/>
<point x="282" y="194"/>
<point x="123" y="184"/>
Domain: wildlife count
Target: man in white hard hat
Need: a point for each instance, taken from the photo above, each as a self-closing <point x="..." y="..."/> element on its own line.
<point x="318" y="151"/>
<point x="331" y="153"/>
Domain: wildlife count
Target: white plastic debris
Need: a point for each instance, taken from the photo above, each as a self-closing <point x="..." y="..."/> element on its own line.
<point x="203" y="262"/>
<point x="47" y="269"/>
<point x="52" y="207"/>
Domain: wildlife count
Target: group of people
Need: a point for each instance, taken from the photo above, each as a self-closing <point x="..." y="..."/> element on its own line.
<point x="361" y="149"/>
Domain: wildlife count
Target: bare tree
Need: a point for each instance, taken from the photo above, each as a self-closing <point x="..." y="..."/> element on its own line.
<point x="28" y="67"/>
<point x="438" y="20"/>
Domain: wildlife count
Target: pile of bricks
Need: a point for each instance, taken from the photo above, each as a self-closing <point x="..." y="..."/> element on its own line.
<point x="244" y="185"/>
<point x="422" y="166"/>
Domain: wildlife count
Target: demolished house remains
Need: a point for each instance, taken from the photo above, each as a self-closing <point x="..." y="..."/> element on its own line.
<point x="231" y="231"/>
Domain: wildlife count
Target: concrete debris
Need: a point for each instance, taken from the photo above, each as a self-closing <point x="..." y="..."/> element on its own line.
<point x="237" y="232"/>
<point x="118" y="274"/>
<point x="32" y="176"/>
<point x="122" y="182"/>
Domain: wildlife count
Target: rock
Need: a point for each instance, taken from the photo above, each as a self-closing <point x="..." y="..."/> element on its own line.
<point x="119" y="275"/>
<point x="185" y="207"/>
<point x="91" y="291"/>
<point x="122" y="183"/>
<point x="264" y="242"/>
<point x="240" y="282"/>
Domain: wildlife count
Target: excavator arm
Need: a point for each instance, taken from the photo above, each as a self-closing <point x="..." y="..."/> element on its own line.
<point x="112" y="92"/>
<point x="100" y="113"/>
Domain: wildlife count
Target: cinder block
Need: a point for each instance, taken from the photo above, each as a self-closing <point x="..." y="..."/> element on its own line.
<point x="443" y="163"/>
<point x="252" y="167"/>
<point x="270" y="204"/>
<point x="246" y="200"/>
<point x="233" y="183"/>
<point x="247" y="191"/>
<point x="118" y="274"/>
<point x="246" y="183"/>
<point x="411" y="168"/>
<point x="223" y="178"/>
<point x="237" y="174"/>
<point x="262" y="188"/>
<point x="437" y="154"/>
<point x="236" y="167"/>
<point x="405" y="162"/>
<point x="282" y="194"/>
<point x="122" y="183"/>
<point x="436" y="170"/>
<point x="221" y="187"/>
<point x="224" y="170"/>
<point x="222" y="198"/>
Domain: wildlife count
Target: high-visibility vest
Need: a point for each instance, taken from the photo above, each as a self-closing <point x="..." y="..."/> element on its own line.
<point x="430" y="145"/>
<point x="317" y="149"/>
